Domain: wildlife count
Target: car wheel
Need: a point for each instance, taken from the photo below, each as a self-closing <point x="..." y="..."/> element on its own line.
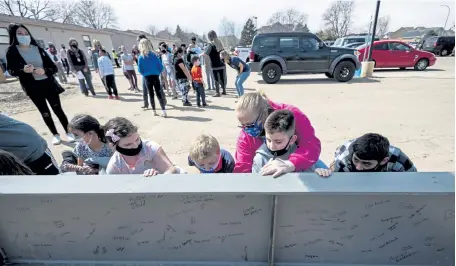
<point x="329" y="75"/>
<point x="444" y="52"/>
<point x="344" y="71"/>
<point x="422" y="64"/>
<point x="271" y="73"/>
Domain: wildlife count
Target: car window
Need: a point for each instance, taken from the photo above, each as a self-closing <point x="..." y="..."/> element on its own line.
<point x="309" y="44"/>
<point x="267" y="42"/>
<point x="289" y="42"/>
<point x="338" y="42"/>
<point x="395" y="46"/>
<point x="431" y="40"/>
<point x="381" y="46"/>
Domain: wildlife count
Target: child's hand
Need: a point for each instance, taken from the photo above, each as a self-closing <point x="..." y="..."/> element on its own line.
<point x="277" y="168"/>
<point x="150" y="172"/>
<point x="323" y="172"/>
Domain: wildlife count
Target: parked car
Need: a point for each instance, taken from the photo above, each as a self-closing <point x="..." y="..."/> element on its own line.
<point x="353" y="39"/>
<point x="242" y="52"/>
<point x="277" y="54"/>
<point x="439" y="45"/>
<point x="354" y="45"/>
<point x="391" y="54"/>
<point x="329" y="43"/>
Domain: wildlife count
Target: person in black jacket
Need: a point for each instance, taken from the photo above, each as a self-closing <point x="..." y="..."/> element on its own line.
<point x="35" y="70"/>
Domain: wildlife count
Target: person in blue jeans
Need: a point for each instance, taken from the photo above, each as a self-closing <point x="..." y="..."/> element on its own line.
<point x="241" y="67"/>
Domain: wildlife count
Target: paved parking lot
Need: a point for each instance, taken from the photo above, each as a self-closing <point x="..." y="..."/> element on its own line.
<point x="415" y="110"/>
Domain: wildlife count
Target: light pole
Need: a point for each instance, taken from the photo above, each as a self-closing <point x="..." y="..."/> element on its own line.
<point x="444" y="27"/>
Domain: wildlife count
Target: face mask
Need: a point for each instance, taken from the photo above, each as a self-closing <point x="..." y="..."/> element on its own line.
<point x="211" y="170"/>
<point x="281" y="152"/>
<point x="74" y="46"/>
<point x="129" y="152"/>
<point x="23" y="39"/>
<point x="255" y="130"/>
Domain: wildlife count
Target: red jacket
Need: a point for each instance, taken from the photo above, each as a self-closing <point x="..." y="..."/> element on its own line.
<point x="306" y="155"/>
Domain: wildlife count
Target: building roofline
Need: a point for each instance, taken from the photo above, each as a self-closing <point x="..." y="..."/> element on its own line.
<point x="49" y="24"/>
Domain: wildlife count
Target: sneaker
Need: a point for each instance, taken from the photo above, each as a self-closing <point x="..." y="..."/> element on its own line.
<point x="187" y="104"/>
<point x="199" y="105"/>
<point x="56" y="140"/>
<point x="144" y="107"/>
<point x="110" y="97"/>
<point x="175" y="98"/>
<point x="204" y="104"/>
<point x="224" y="93"/>
<point x="216" y="95"/>
<point x="117" y="97"/>
<point x="164" y="113"/>
<point x="70" y="137"/>
<point x="155" y="113"/>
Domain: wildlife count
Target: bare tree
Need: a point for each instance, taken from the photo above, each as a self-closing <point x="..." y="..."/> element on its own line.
<point x="62" y="12"/>
<point x="338" y="17"/>
<point x="287" y="20"/>
<point x="227" y="27"/>
<point x="382" y="26"/>
<point x="36" y="9"/>
<point x="152" y="30"/>
<point x="95" y="14"/>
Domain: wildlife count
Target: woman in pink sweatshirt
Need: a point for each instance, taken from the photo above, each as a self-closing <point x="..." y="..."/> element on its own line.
<point x="252" y="110"/>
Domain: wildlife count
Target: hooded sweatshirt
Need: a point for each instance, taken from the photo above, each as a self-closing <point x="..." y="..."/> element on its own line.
<point x="305" y="156"/>
<point x="262" y="157"/>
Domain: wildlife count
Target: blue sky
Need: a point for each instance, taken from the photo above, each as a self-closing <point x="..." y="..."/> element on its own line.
<point x="194" y="15"/>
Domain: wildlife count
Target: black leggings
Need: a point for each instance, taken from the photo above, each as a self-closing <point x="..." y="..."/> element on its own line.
<point x="45" y="165"/>
<point x="219" y="77"/>
<point x="43" y="92"/>
<point x="153" y="83"/>
<point x="110" y="85"/>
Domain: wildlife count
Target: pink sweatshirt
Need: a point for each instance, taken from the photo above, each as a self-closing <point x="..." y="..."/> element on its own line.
<point x="306" y="155"/>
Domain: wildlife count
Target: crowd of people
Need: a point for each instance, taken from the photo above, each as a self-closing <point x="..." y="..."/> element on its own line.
<point x="274" y="138"/>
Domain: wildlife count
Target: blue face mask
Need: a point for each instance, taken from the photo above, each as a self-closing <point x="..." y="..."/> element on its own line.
<point x="254" y="130"/>
<point x="23" y="39"/>
<point x="211" y="170"/>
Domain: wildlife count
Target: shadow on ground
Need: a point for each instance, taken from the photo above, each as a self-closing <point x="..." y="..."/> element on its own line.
<point x="321" y="81"/>
<point x="190" y="118"/>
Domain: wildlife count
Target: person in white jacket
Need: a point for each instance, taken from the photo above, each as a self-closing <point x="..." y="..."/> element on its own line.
<point x="55" y="57"/>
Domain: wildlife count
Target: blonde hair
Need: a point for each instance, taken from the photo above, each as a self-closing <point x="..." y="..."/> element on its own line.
<point x="254" y="102"/>
<point x="95" y="43"/>
<point x="203" y="147"/>
<point x="145" y="47"/>
<point x="225" y="56"/>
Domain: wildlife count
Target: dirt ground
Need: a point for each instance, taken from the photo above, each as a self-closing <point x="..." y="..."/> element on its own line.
<point x="415" y="110"/>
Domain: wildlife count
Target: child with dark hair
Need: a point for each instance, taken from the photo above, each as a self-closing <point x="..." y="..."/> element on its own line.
<point x="106" y="72"/>
<point x="92" y="151"/>
<point x="11" y="165"/>
<point x="134" y="155"/>
<point x="280" y="135"/>
<point x="369" y="153"/>
<point x="183" y="77"/>
<point x="197" y="77"/>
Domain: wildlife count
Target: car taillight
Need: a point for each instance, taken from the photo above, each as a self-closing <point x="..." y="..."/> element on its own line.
<point x="252" y="56"/>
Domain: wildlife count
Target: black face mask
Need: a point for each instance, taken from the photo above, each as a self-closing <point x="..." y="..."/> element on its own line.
<point x="281" y="152"/>
<point x="129" y="152"/>
<point x="75" y="46"/>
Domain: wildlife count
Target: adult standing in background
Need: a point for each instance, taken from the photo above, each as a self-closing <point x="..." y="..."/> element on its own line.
<point x="218" y="67"/>
<point x="80" y="67"/>
<point x="55" y="57"/>
<point x="22" y="140"/>
<point x="95" y="54"/>
<point x="116" y="58"/>
<point x="206" y="62"/>
<point x="64" y="58"/>
<point x="35" y="70"/>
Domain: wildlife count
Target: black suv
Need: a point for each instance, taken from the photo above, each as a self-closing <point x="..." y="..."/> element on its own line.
<point x="277" y="54"/>
<point x="439" y="45"/>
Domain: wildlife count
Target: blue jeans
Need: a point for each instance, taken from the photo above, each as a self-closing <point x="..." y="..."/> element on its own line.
<point x="239" y="81"/>
<point x="320" y="164"/>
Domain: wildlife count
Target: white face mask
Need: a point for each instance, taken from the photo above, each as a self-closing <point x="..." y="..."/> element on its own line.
<point x="23" y="39"/>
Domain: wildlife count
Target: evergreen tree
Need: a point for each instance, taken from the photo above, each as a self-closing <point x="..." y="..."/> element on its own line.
<point x="248" y="32"/>
<point x="179" y="33"/>
<point x="301" y="28"/>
